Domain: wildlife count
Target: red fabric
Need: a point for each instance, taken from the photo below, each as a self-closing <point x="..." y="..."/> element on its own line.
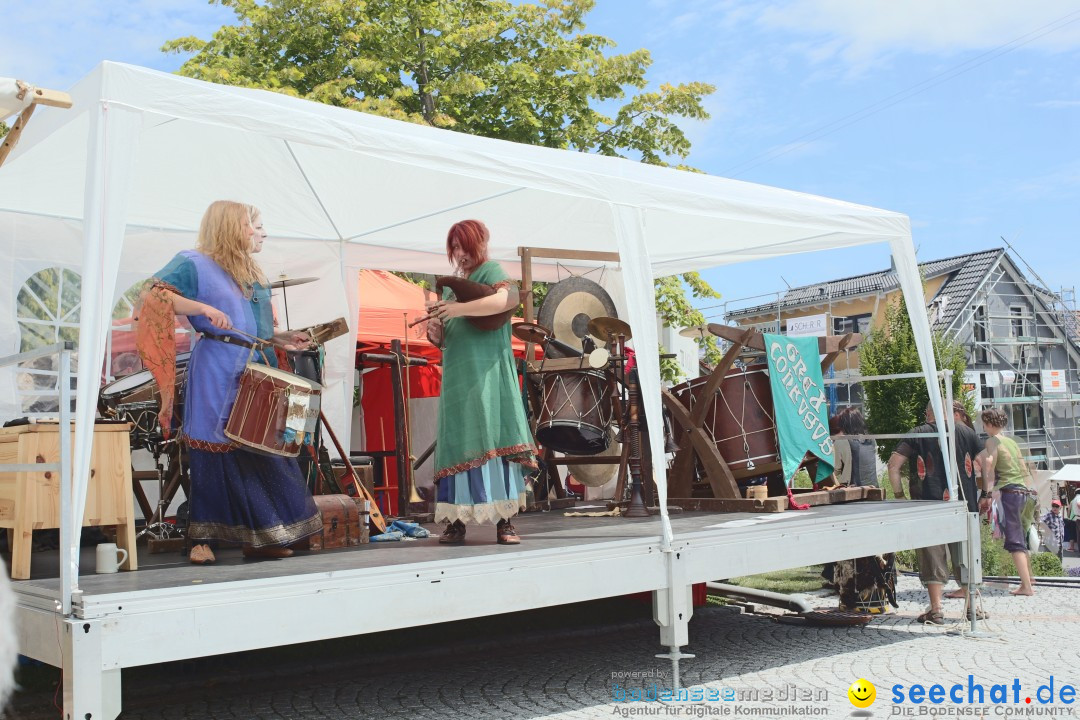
<point x="792" y="505"/>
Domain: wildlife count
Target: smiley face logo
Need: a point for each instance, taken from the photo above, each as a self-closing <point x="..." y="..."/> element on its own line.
<point x="862" y="693"/>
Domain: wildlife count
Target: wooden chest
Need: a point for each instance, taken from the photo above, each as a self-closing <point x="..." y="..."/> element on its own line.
<point x="31" y="500"/>
<point x="343" y="525"/>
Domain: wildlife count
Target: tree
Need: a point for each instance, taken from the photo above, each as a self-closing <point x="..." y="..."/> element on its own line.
<point x="896" y="406"/>
<point x="3" y="129"/>
<point x="523" y="72"/>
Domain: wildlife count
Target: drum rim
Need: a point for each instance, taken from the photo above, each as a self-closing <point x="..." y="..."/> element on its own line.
<point x="279" y="374"/>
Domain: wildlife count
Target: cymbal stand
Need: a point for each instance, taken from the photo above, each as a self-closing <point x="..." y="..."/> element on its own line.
<point x="156" y="527"/>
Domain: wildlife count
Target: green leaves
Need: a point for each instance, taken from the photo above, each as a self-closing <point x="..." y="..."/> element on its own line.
<point x="896" y="406"/>
<point x="524" y="72"/>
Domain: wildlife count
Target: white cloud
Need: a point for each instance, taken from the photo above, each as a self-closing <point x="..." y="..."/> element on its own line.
<point x="867" y="29"/>
<point x="1054" y="104"/>
<point x="53" y="43"/>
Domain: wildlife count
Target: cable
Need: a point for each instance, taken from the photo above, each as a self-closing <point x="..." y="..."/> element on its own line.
<point x="906" y="93"/>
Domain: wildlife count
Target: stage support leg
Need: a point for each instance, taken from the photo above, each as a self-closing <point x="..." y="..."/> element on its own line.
<point x="91" y="692"/>
<point x="672" y="608"/>
<point x="971" y="574"/>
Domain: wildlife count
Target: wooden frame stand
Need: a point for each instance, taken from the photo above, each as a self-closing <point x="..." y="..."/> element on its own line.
<point x="698" y="449"/>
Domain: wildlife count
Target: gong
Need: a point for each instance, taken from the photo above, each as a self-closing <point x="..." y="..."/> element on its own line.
<point x="568" y="308"/>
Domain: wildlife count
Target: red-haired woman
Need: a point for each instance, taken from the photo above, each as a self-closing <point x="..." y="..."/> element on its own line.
<point x="484" y="442"/>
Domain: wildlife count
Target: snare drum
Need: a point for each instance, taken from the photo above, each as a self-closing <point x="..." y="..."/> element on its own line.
<point x="575" y="413"/>
<point x="132" y="396"/>
<point x="275" y="411"/>
<point x="740" y="420"/>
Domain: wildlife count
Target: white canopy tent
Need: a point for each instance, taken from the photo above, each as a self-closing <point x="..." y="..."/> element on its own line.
<point x="121" y="180"/>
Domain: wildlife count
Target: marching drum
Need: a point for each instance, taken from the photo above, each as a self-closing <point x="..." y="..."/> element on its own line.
<point x="275" y="411"/>
<point x="740" y="420"/>
<point x="575" y="412"/>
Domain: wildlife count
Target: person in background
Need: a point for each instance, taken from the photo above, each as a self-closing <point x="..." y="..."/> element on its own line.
<point x="1074" y="515"/>
<point x="862" y="454"/>
<point x="1055" y="523"/>
<point x="929" y="481"/>
<point x="1006" y="472"/>
<point x="841" y="451"/>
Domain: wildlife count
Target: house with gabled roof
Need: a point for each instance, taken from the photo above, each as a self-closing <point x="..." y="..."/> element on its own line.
<point x="1021" y="339"/>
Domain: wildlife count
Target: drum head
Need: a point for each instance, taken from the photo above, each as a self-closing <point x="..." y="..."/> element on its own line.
<point x="573" y="438"/>
<point x="122" y="386"/>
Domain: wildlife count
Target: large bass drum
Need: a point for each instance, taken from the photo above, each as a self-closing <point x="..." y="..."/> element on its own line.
<point x="740" y="419"/>
<point x="575" y="412"/>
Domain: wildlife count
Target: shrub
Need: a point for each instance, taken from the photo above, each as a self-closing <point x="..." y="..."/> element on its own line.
<point x="1046" y="564"/>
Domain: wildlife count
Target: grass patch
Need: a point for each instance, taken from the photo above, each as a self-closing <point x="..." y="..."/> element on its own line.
<point x="796" y="580"/>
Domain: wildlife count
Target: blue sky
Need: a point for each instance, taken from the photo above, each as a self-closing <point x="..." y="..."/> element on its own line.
<point x="989" y="148"/>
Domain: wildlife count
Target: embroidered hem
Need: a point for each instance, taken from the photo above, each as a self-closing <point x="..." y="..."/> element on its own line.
<point x="207" y="446"/>
<point x="277" y="535"/>
<point x="483" y="514"/>
<point x="526" y="451"/>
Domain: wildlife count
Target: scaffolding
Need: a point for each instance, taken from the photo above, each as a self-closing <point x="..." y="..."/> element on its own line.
<point x="1023" y="341"/>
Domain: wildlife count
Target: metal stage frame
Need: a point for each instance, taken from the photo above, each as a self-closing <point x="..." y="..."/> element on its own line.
<point x="176" y="611"/>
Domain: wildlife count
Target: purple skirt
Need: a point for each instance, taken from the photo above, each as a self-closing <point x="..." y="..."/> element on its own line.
<point x="241" y="496"/>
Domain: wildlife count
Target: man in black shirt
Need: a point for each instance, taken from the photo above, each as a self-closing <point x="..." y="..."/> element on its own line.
<point x="928" y="481"/>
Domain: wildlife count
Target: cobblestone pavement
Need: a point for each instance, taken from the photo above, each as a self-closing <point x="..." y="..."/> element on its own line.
<point x="565" y="671"/>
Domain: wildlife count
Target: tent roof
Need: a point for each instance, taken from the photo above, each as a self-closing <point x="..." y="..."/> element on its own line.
<point x="1067" y="473"/>
<point x="389" y="189"/>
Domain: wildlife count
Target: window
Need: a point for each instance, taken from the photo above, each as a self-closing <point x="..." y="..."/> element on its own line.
<point x="47" y="310"/>
<point x="986" y="391"/>
<point x="1016" y="322"/>
<point x="849" y="394"/>
<point x="852" y="324"/>
<point x="981" y="354"/>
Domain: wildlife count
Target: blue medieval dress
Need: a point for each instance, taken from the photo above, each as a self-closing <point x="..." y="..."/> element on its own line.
<point x="236" y="495"/>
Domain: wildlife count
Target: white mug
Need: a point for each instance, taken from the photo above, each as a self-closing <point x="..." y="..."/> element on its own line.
<point x="110" y="557"/>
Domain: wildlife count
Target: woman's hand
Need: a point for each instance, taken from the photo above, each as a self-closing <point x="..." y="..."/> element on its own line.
<point x="293" y="340"/>
<point x="444" y="310"/>
<point x="217" y="318"/>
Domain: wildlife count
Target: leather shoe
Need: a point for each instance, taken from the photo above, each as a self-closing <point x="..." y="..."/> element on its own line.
<point x="268" y="551"/>
<point x="201" y="555"/>
<point x="454" y="534"/>
<point x="506" y="534"/>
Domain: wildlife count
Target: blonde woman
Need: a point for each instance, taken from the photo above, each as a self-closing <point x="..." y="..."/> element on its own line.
<point x="236" y="495"/>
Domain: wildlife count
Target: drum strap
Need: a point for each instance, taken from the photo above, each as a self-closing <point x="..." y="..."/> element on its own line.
<point x="229" y="340"/>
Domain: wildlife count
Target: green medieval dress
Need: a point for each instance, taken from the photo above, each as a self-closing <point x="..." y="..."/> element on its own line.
<point x="484" y="443"/>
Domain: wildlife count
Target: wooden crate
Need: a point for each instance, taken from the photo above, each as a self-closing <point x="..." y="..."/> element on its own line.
<point x="31" y="500"/>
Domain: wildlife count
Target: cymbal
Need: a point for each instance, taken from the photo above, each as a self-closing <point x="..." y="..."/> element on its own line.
<point x="606" y="328"/>
<point x="697" y="331"/>
<point x="289" y="282"/>
<point x="531" y="332"/>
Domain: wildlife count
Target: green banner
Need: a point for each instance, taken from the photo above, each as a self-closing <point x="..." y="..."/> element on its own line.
<point x="802" y="413"/>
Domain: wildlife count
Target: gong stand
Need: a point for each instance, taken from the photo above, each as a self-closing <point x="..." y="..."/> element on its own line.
<point x="551" y="479"/>
<point x="697" y="446"/>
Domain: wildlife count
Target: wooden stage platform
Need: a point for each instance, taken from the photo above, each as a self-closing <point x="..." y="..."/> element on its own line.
<point x="169" y="610"/>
